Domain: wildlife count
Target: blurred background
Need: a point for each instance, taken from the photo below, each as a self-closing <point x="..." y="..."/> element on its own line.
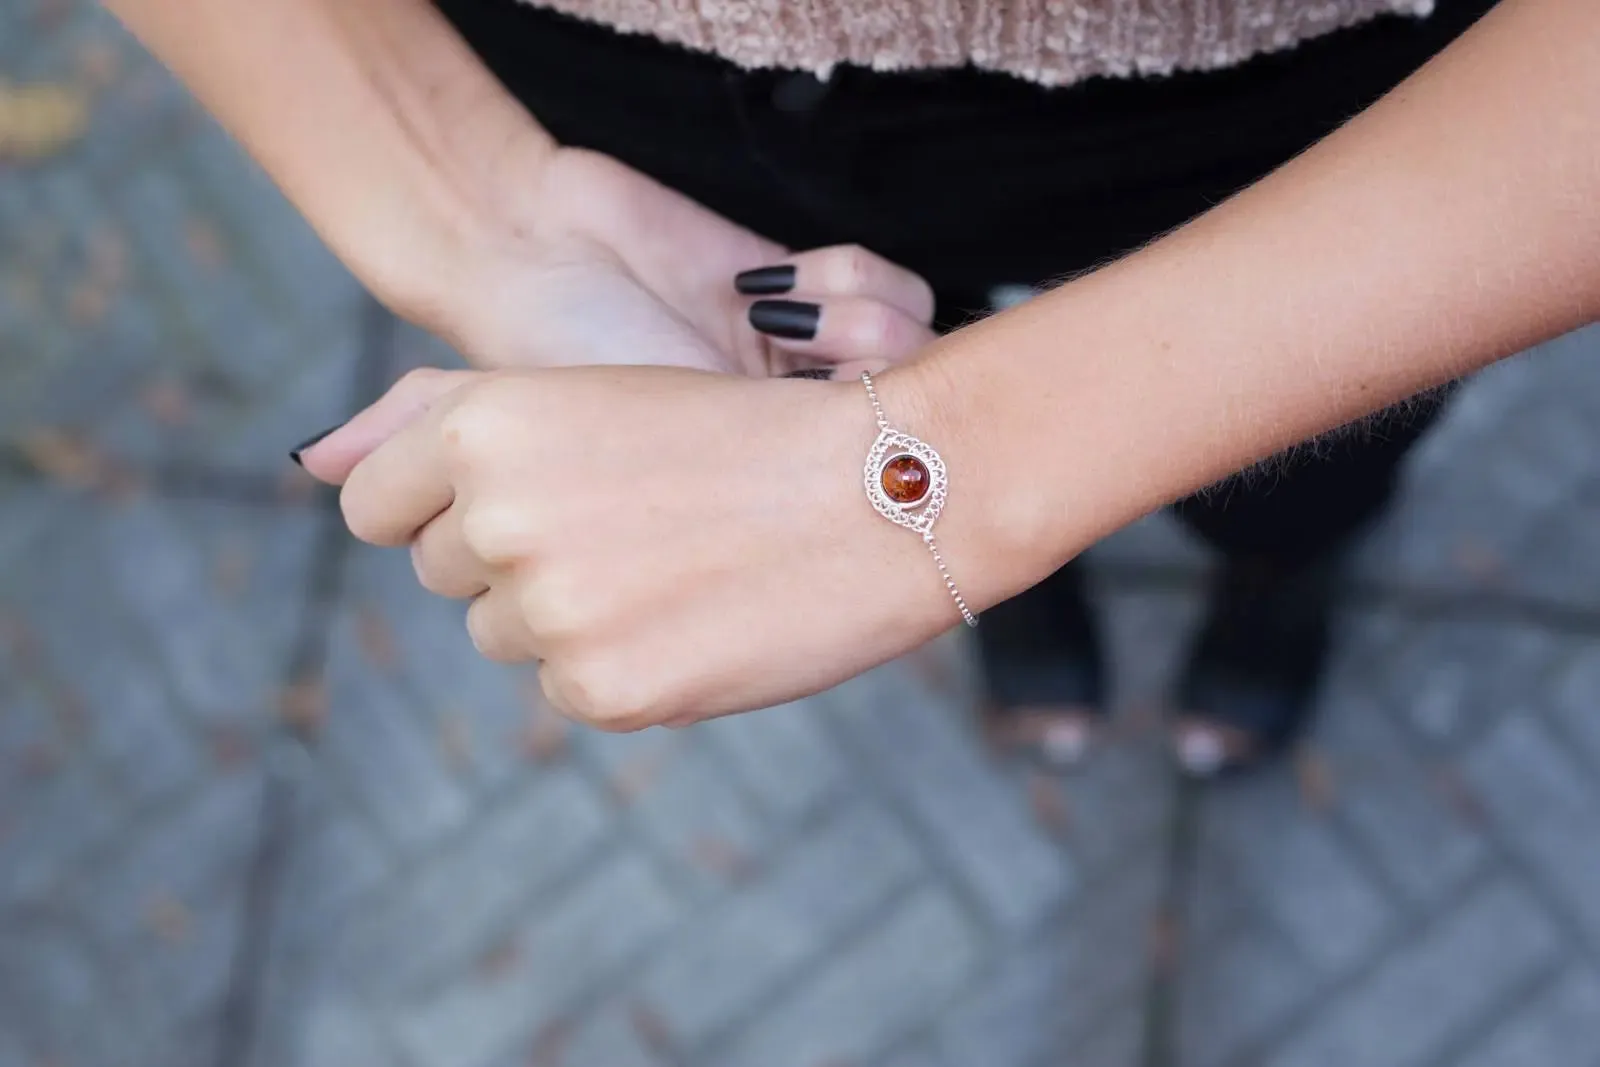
<point x="261" y="804"/>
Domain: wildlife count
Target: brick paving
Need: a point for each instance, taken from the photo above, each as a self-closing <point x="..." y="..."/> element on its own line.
<point x="441" y="876"/>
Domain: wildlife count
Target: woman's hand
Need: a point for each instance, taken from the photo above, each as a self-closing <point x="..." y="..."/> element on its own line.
<point x="599" y="264"/>
<point x="459" y="211"/>
<point x="670" y="545"/>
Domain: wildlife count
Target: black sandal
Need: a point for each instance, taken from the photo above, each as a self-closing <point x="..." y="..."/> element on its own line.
<point x="1249" y="689"/>
<point x="1042" y="669"/>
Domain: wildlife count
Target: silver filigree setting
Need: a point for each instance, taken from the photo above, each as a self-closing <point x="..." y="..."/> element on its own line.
<point x="918" y="515"/>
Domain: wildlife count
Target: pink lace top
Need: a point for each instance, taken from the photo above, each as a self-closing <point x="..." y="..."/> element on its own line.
<point x="1055" y="42"/>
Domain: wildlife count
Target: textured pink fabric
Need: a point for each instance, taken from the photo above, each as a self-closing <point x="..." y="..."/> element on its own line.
<point x="1055" y="42"/>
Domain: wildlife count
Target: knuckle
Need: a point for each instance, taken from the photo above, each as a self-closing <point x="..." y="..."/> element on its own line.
<point x="926" y="302"/>
<point x="464" y="432"/>
<point x="473" y="432"/>
<point x="608" y="695"/>
<point x="533" y="605"/>
<point x="490" y="533"/>
<point x="419" y="378"/>
<point x="552" y="607"/>
<point x="850" y="269"/>
<point x="363" y="522"/>
<point x="873" y="328"/>
<point x="422" y="567"/>
<point x="486" y="638"/>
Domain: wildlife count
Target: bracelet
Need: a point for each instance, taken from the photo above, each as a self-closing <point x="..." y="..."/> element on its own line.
<point x="906" y="483"/>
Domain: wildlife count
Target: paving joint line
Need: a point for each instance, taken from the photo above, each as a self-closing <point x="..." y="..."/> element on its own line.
<point x="242" y="1002"/>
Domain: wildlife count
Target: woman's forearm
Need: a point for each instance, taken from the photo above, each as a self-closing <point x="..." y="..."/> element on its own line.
<point x="374" y="118"/>
<point x="1454" y="223"/>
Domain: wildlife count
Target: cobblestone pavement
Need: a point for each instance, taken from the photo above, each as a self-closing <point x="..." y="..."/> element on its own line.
<point x="444" y="877"/>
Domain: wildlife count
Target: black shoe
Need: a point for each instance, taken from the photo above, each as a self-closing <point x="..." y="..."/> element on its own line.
<point x="1250" y="685"/>
<point x="1042" y="669"/>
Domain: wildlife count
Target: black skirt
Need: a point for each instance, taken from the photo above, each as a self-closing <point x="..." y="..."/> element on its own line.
<point x="972" y="179"/>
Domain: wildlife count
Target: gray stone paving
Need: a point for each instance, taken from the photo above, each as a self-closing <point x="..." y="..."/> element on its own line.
<point x="443" y="876"/>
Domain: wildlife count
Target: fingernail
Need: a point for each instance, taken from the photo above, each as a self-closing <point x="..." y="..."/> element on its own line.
<point x="765" y="281"/>
<point x="294" y="453"/>
<point x="820" y="374"/>
<point x="793" y="320"/>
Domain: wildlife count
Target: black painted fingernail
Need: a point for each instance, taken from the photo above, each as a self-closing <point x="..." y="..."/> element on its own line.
<point x="765" y="281"/>
<point x="793" y="320"/>
<point x="820" y="374"/>
<point x="294" y="453"/>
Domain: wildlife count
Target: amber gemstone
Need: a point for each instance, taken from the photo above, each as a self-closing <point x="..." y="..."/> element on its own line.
<point x="905" y="479"/>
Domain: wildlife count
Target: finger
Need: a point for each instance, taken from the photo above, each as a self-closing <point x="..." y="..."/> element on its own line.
<point x="443" y="562"/>
<point x="330" y="457"/>
<point x="841" y="329"/>
<point x="403" y="483"/>
<point x="842" y="270"/>
<point x="498" y="626"/>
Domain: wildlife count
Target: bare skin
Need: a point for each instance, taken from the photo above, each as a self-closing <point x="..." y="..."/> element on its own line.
<point x="674" y="545"/>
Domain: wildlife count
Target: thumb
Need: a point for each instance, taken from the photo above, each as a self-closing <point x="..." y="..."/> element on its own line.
<point x="331" y="455"/>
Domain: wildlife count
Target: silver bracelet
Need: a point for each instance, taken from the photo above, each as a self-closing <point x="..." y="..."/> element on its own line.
<point x="906" y="482"/>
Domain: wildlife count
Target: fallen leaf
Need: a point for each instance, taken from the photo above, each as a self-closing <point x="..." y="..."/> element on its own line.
<point x="37" y="121"/>
<point x="651" y="1029"/>
<point x="1459" y="796"/>
<point x="88" y="303"/>
<point x="230" y="572"/>
<point x="1315" y="778"/>
<point x="120" y="484"/>
<point x="51" y="14"/>
<point x="40" y="760"/>
<point x="167" y="402"/>
<point x="721" y="858"/>
<point x="304" y="705"/>
<point x="64" y="457"/>
<point x="634" y="777"/>
<point x="375" y="637"/>
<point x="230" y="747"/>
<point x="499" y="960"/>
<point x="550" y="1044"/>
<point x="295" y="486"/>
<point x="71" y="714"/>
<point x="455" y="741"/>
<point x="545" y="738"/>
<point x="167" y="917"/>
<point x="1165" y="942"/>
<point x="1477" y="560"/>
<point x="98" y="64"/>
<point x="18" y="638"/>
<point x="108" y="255"/>
<point x="544" y="733"/>
<point x="204" y="243"/>
<point x="935" y="664"/>
<point x="1049" y="804"/>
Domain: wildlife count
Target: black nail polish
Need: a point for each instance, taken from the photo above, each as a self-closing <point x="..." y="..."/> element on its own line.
<point x="820" y="374"/>
<point x="765" y="281"/>
<point x="793" y="320"/>
<point x="294" y="453"/>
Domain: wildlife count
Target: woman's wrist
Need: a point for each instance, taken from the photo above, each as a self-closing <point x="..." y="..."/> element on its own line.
<point x="1000" y="531"/>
